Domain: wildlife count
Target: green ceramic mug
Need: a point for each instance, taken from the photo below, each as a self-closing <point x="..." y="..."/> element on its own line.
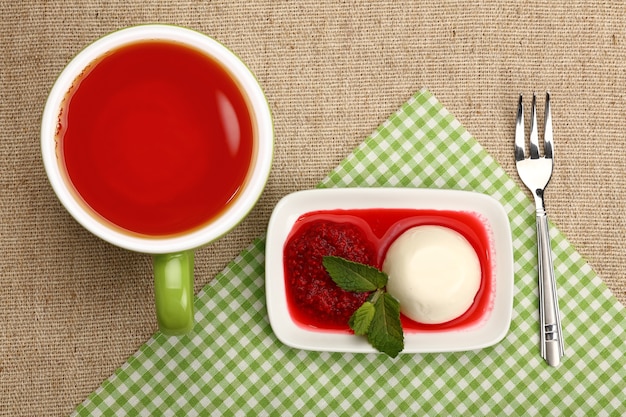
<point x="158" y="139"/>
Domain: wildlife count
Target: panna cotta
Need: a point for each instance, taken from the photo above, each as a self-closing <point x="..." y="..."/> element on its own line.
<point x="434" y="272"/>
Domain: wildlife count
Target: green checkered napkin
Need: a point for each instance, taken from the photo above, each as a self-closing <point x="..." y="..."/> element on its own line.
<point x="232" y="364"/>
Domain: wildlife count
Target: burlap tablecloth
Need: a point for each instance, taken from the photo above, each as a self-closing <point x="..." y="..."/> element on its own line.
<point x="73" y="308"/>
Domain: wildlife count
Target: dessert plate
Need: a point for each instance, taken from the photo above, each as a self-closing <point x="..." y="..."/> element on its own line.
<point x="486" y="332"/>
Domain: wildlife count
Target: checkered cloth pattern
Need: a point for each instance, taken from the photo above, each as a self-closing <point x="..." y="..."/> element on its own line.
<point x="232" y="364"/>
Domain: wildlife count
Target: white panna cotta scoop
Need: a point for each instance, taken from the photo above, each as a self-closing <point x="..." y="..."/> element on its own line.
<point x="434" y="272"/>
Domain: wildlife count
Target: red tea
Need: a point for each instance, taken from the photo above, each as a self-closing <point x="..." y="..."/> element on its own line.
<point x="156" y="138"/>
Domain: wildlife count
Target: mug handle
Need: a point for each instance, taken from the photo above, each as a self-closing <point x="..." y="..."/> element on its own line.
<point x="173" y="292"/>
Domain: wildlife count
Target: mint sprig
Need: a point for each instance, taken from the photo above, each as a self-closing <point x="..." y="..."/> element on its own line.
<point x="353" y="276"/>
<point x="361" y="319"/>
<point x="378" y="317"/>
<point x="385" y="332"/>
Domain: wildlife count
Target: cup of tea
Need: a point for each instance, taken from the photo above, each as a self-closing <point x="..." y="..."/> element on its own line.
<point x="159" y="140"/>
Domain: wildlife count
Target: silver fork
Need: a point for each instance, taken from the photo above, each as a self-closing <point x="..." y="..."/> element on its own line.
<point x="535" y="172"/>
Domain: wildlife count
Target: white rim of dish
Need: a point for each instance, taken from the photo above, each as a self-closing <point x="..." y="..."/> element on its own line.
<point x="256" y="179"/>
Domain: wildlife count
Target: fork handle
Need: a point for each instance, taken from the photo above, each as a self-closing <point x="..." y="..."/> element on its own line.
<point x="551" y="334"/>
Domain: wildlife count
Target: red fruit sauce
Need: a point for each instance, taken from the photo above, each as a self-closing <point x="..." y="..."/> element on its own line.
<point x="319" y="301"/>
<point x="156" y="138"/>
<point x="364" y="235"/>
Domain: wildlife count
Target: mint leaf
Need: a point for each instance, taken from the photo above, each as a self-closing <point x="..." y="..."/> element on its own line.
<point x="378" y="318"/>
<point x="385" y="331"/>
<point x="362" y="318"/>
<point x="353" y="276"/>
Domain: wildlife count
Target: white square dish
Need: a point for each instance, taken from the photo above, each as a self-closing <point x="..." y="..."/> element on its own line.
<point x="289" y="209"/>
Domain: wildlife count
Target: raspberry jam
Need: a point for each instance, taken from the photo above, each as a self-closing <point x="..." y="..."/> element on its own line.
<point x="318" y="301"/>
<point x="364" y="235"/>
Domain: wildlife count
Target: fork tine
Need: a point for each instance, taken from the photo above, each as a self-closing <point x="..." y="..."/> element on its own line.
<point x="534" y="136"/>
<point x="519" y="132"/>
<point x="547" y="130"/>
